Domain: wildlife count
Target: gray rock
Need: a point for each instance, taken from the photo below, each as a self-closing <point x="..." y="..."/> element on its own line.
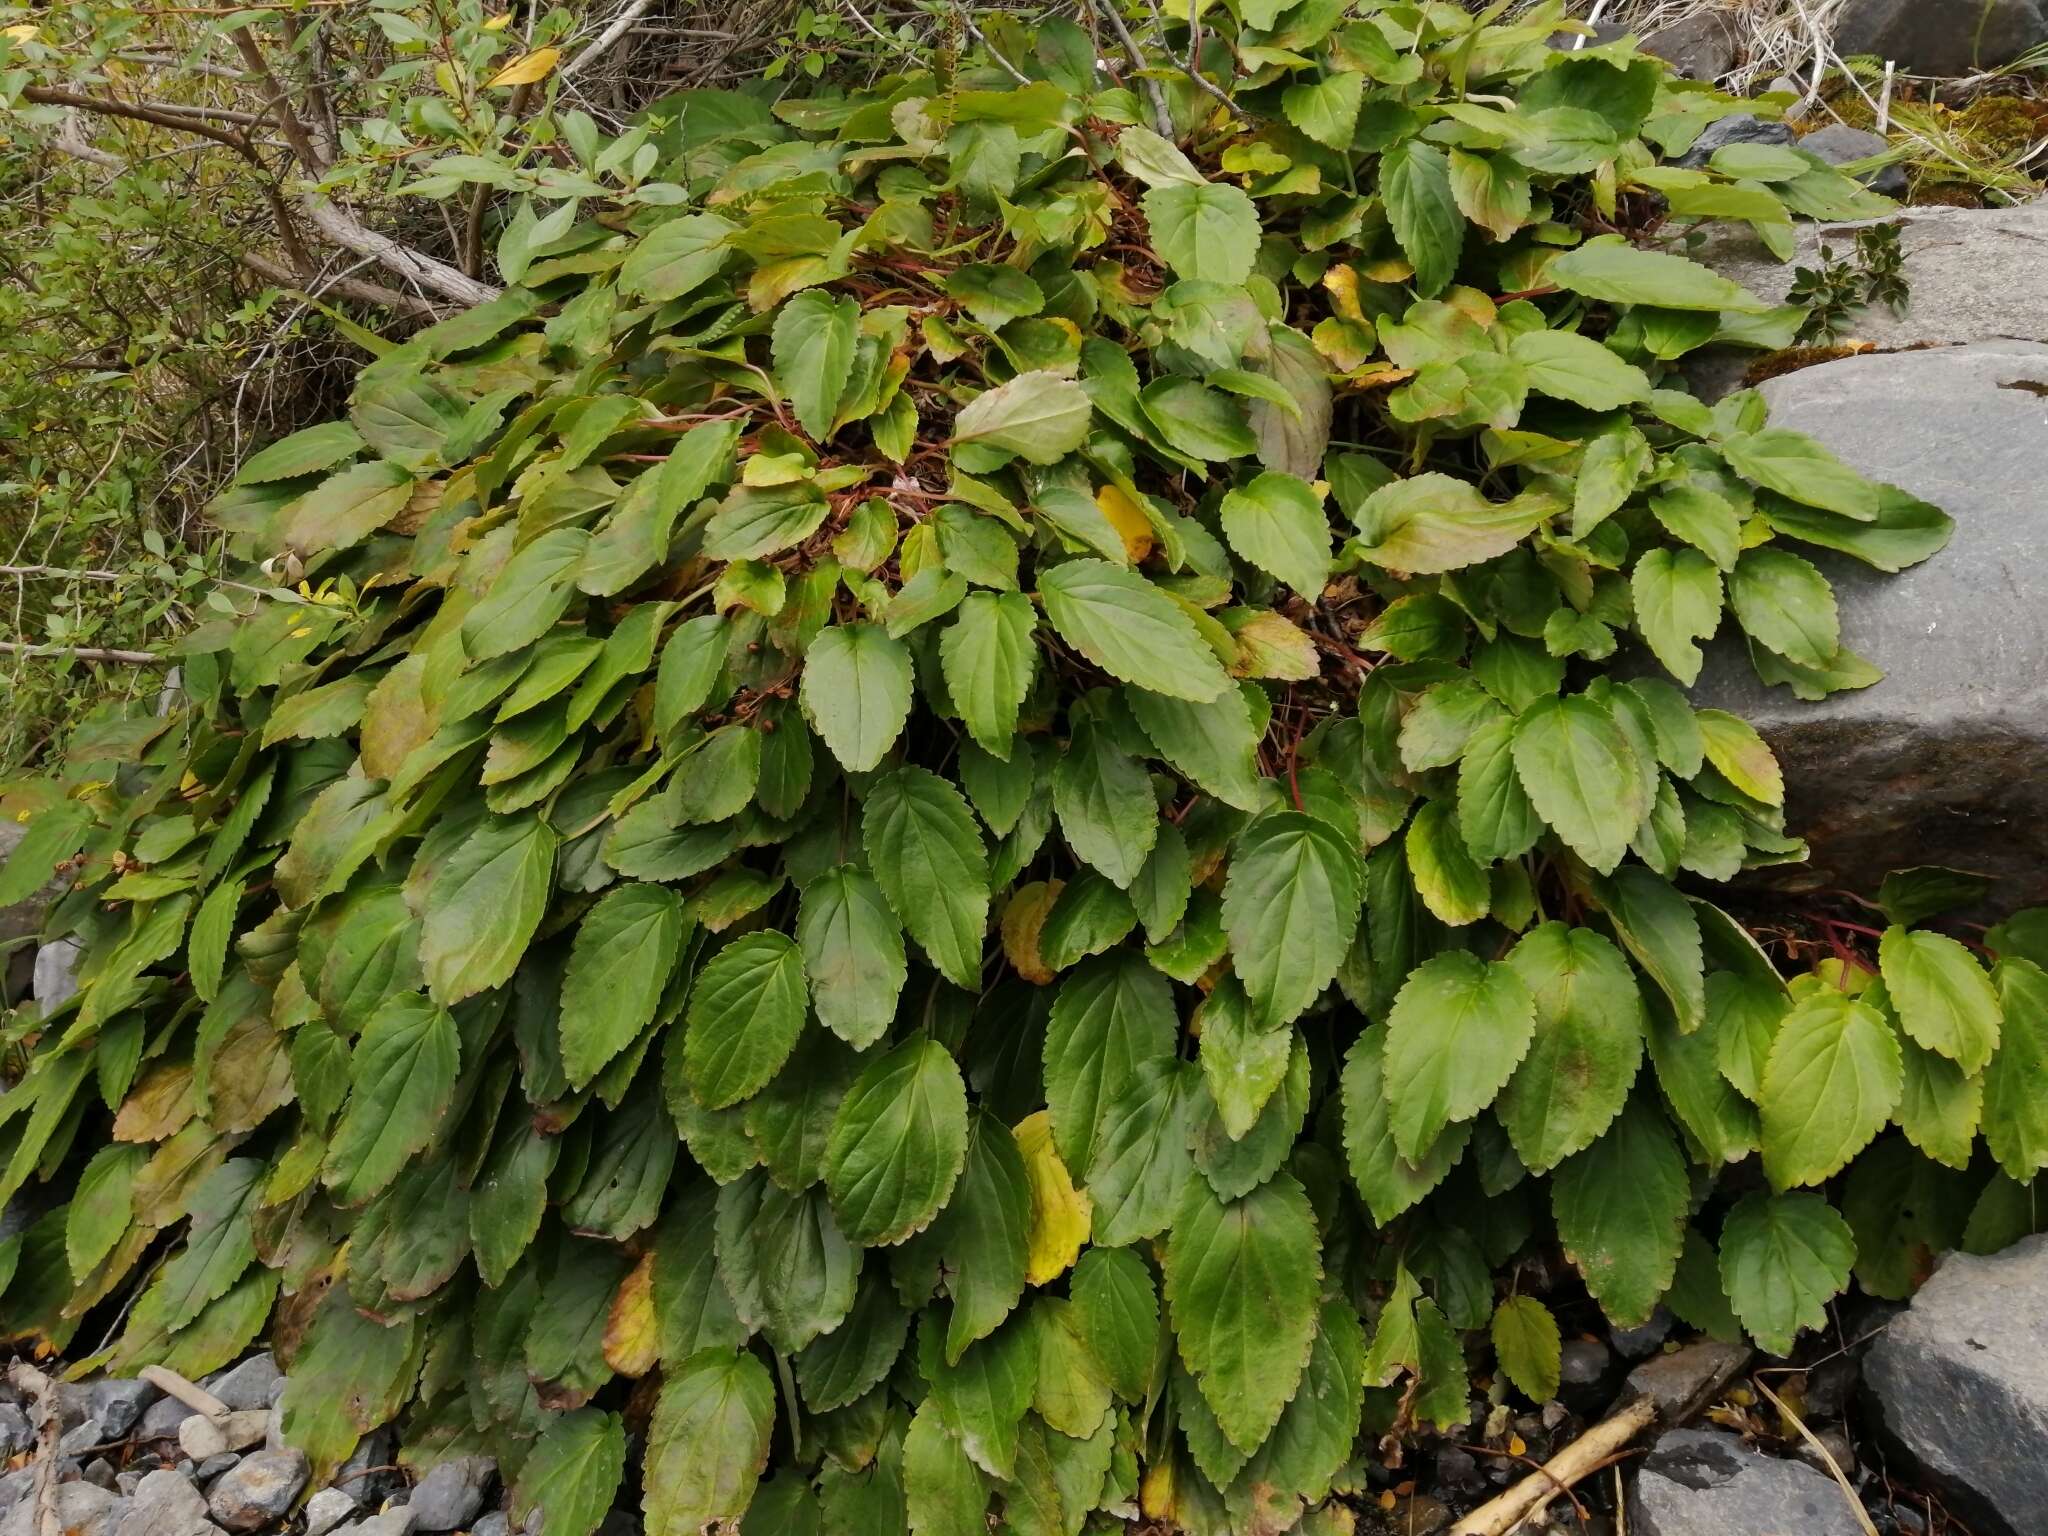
<point x="201" y="1439"/>
<point x="1686" y="1380"/>
<point x="166" y="1504"/>
<point x="247" y="1385"/>
<point x="83" y="1509"/>
<point x="1836" y="1444"/>
<point x="376" y="1449"/>
<point x="101" y="1471"/>
<point x="16" y="1433"/>
<point x="85" y="1433"/>
<point x="1644" y="1340"/>
<point x="118" y="1404"/>
<point x="259" y="1490"/>
<point x="496" y="1523"/>
<point x="15" y="1487"/>
<point x="213" y="1466"/>
<point x="449" y="1496"/>
<point x="56" y="973"/>
<point x="327" y="1509"/>
<point x="1941" y="37"/>
<point x="1839" y="144"/>
<point x="1973" y="274"/>
<point x="1701" y="1483"/>
<point x="1699" y="47"/>
<point x="161" y="1419"/>
<point x="1961" y="1383"/>
<point x="1741" y="128"/>
<point x="396" y="1521"/>
<point x="1946" y="760"/>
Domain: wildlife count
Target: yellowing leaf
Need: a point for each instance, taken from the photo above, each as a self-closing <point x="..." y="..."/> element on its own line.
<point x="1129" y="521"/>
<point x="1060" y="1214"/>
<point x="632" y="1332"/>
<point x="528" y="68"/>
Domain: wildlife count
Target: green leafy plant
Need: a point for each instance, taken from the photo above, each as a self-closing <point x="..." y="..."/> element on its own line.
<point x="956" y="795"/>
<point x="1839" y="289"/>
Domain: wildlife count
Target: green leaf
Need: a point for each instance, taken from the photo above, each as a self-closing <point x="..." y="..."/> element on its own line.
<point x="1784" y="603"/>
<point x="1794" y="465"/>
<point x="1204" y="230"/>
<point x="1578" y="369"/>
<point x="483" y="905"/>
<point x="856" y="692"/>
<point x="1037" y="415"/>
<point x="707" y="1443"/>
<point x="1389" y="1182"/>
<point x="1112" y="1015"/>
<point x="761" y="520"/>
<point x="1455" y="1034"/>
<point x="1241" y="1285"/>
<point x="1491" y="191"/>
<point x="746" y="1010"/>
<point x="1277" y="524"/>
<point x="1742" y="756"/>
<point x="625" y="949"/>
<point x="1586" y="1049"/>
<point x="983" y="1397"/>
<point x="1941" y="995"/>
<point x="897" y="1144"/>
<point x="1678" y="602"/>
<point x="1290" y="905"/>
<point x="1611" y="270"/>
<point x="527" y="597"/>
<point x="1131" y="629"/>
<point x="677" y="257"/>
<point x="928" y="858"/>
<point x="573" y="1472"/>
<point x="984" y="1234"/>
<point x="1494" y="814"/>
<point x="994" y="295"/>
<point x="1525" y="1341"/>
<point x="1415" y="180"/>
<point x="2015" y="1108"/>
<point x="1582" y="776"/>
<point x="101" y="1207"/>
<point x="1105" y="805"/>
<point x="401" y="1081"/>
<point x="943" y="1492"/>
<point x="1141" y="1163"/>
<point x="1833" y="1079"/>
<point x="1620" y="1207"/>
<point x="219" y="1245"/>
<point x="1326" y="109"/>
<point x="988" y="656"/>
<point x="304" y="452"/>
<point x="1782" y="1258"/>
<point x="853" y="954"/>
<point x="790" y="1272"/>
<point x="1430" y="523"/>
<point x="1115" y="1310"/>
<point x="1454" y="887"/>
<point x="1661" y="932"/>
<point x="345" y="508"/>
<point x="1215" y="745"/>
<point x="813" y="343"/>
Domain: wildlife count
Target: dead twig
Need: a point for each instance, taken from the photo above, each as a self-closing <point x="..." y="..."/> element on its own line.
<point x="1584" y="1456"/>
<point x="41" y="1393"/>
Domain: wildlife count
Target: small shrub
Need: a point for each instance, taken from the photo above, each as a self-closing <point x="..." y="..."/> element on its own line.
<point x="961" y="792"/>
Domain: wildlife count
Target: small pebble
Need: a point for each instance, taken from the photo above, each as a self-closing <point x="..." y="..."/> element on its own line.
<point x="327" y="1509"/>
<point x="200" y="1438"/>
<point x="213" y="1466"/>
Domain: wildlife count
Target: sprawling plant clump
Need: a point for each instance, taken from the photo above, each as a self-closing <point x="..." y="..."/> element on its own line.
<point x="952" y="790"/>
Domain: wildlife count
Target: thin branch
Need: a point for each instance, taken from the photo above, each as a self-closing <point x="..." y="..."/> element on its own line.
<point x="1161" y="118"/>
<point x="360" y="289"/>
<point x="160" y="117"/>
<point x="82" y="653"/>
<point x="989" y="48"/>
<point x="621" y="25"/>
<point x="287" y="117"/>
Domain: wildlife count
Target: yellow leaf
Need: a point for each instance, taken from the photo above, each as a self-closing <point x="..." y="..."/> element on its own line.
<point x="1060" y="1214"/>
<point x="528" y="68"/>
<point x="498" y="23"/>
<point x="1517" y="1446"/>
<point x="1022" y="919"/>
<point x="1391" y="269"/>
<point x="631" y="1335"/>
<point x="1129" y="521"/>
<point x="23" y="33"/>
<point x="1342" y="282"/>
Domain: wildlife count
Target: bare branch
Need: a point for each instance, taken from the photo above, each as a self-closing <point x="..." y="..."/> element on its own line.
<point x="287" y="116"/>
<point x="433" y="275"/>
<point x="989" y="48"/>
<point x="360" y="289"/>
<point x="1161" y="118"/>
<point x="161" y="117"/>
<point x="607" y="39"/>
<point x="82" y="653"/>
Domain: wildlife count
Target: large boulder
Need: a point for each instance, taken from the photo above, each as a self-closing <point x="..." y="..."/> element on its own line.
<point x="1699" y="1482"/>
<point x="1961" y="1384"/>
<point x="1972" y="274"/>
<point x="1941" y="37"/>
<point x="1946" y="760"/>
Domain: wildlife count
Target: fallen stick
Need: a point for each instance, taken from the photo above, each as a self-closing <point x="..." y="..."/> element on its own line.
<point x="192" y="1395"/>
<point x="49" y="1425"/>
<point x="1585" y="1455"/>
